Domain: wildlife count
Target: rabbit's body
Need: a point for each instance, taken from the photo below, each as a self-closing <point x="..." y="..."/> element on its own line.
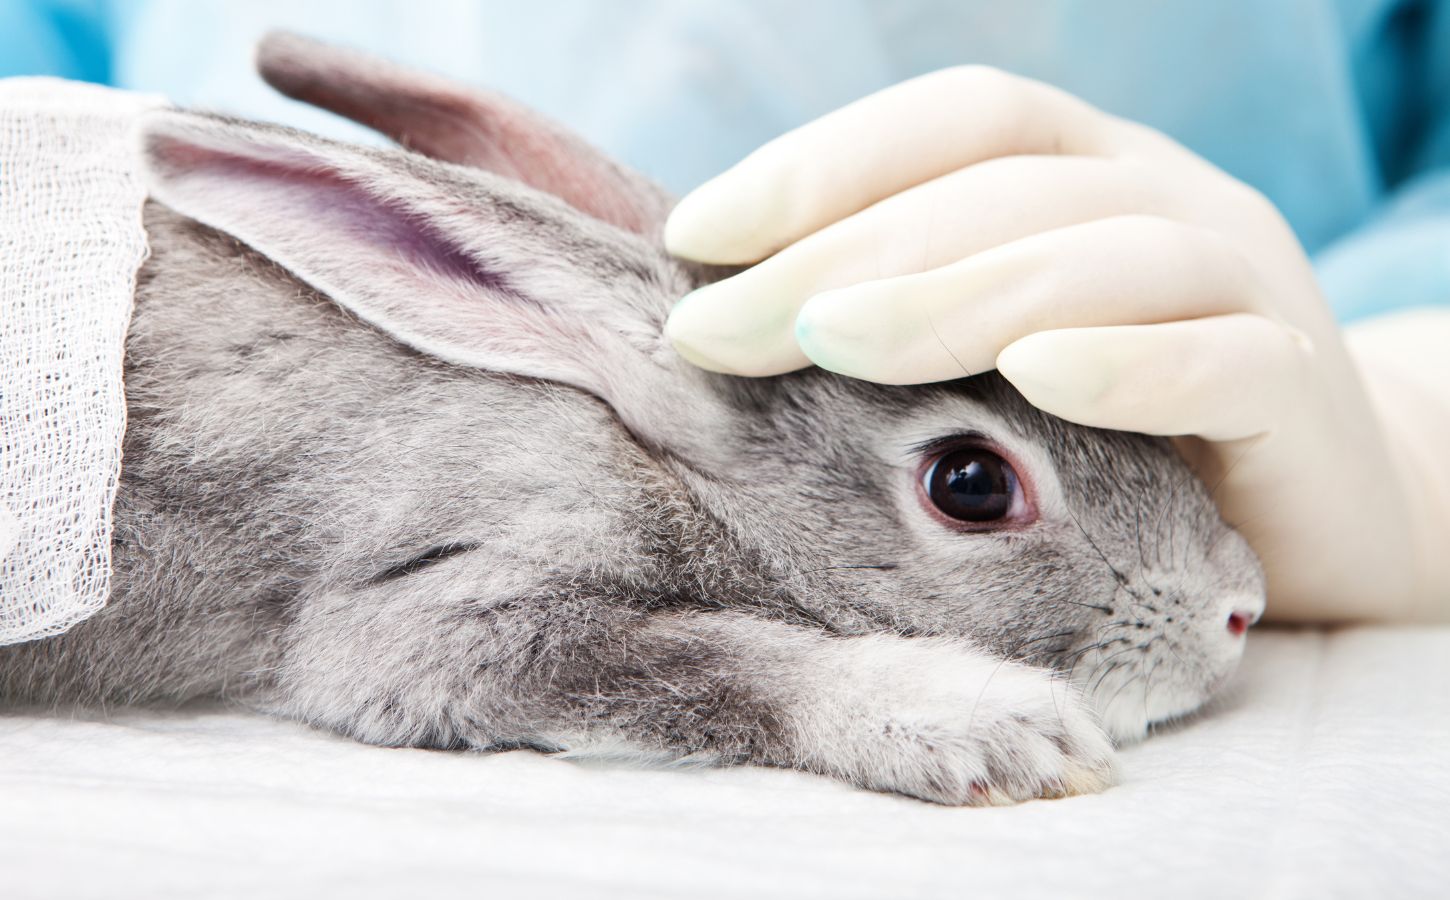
<point x="320" y="520"/>
<point x="278" y="449"/>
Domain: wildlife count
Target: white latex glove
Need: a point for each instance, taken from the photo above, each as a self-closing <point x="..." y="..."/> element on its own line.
<point x="970" y="219"/>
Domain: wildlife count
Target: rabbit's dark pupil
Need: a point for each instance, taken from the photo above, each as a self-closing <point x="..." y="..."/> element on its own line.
<point x="973" y="485"/>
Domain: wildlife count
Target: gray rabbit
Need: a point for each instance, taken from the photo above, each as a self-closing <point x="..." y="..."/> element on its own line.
<point x="408" y="458"/>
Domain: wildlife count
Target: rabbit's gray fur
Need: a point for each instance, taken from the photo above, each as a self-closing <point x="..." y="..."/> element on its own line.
<point x="319" y="521"/>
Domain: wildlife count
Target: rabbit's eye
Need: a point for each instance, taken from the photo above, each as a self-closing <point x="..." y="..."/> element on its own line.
<point x="972" y="484"/>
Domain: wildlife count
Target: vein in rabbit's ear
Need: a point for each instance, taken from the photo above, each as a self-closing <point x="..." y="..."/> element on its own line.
<point x="429" y="557"/>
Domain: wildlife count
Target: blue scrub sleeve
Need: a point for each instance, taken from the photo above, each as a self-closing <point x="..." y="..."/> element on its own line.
<point x="64" y="38"/>
<point x="1400" y="257"/>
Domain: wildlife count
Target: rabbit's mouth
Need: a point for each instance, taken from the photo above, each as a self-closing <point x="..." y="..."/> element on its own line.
<point x="1155" y="666"/>
<point x="1131" y="700"/>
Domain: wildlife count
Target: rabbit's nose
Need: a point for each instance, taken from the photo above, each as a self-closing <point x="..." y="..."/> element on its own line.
<point x="1241" y="611"/>
<point x="1239" y="621"/>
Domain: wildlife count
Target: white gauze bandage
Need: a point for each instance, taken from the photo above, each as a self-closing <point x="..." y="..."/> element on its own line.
<point x="71" y="241"/>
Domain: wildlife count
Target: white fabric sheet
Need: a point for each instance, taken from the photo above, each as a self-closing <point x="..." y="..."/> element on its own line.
<point x="71" y="241"/>
<point x="1324" y="772"/>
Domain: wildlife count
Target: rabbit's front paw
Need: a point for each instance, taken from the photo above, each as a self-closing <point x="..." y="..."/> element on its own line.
<point x="961" y="729"/>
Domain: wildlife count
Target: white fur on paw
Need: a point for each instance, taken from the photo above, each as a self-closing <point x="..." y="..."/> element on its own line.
<point x="943" y="723"/>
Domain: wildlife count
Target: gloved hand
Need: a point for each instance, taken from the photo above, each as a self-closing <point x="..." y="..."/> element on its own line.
<point x="970" y="219"/>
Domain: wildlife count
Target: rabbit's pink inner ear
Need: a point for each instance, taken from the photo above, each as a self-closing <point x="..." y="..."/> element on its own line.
<point x="437" y="118"/>
<point x="386" y="246"/>
<point x="379" y="230"/>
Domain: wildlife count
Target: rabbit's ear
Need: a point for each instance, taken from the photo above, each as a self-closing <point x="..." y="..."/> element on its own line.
<point x="460" y="265"/>
<point x="457" y="124"/>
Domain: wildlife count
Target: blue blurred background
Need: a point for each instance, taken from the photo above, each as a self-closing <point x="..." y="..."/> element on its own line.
<point x="1338" y="110"/>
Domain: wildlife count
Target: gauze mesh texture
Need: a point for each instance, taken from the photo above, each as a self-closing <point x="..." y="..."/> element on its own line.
<point x="71" y="241"/>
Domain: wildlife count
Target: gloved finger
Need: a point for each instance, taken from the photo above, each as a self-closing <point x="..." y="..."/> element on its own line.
<point x="876" y="147"/>
<point x="745" y="325"/>
<point x="952" y="321"/>
<point x="1221" y="377"/>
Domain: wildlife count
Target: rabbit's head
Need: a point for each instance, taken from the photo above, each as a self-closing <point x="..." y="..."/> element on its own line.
<point x="506" y="245"/>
